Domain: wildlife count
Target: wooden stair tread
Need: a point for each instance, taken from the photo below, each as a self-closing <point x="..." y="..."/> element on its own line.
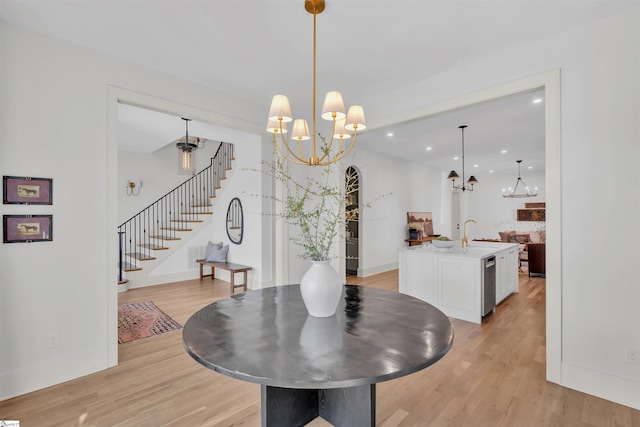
<point x="175" y="229"/>
<point x="122" y="282"/>
<point x="130" y="267"/>
<point x="197" y="213"/>
<point x="153" y="247"/>
<point x="186" y="220"/>
<point x="159" y="237"/>
<point x="140" y="256"/>
<point x="203" y="206"/>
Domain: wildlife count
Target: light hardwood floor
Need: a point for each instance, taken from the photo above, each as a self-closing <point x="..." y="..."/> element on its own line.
<point x="494" y="375"/>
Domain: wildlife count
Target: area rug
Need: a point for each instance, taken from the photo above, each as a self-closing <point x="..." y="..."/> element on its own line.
<point x="142" y="320"/>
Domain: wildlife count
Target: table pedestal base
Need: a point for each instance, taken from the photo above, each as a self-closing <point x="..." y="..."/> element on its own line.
<point x="342" y="407"/>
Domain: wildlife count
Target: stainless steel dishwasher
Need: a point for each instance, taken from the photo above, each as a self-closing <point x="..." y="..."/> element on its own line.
<point x="488" y="285"/>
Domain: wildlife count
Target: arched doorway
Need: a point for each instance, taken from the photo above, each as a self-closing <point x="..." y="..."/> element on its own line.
<point x="352" y="220"/>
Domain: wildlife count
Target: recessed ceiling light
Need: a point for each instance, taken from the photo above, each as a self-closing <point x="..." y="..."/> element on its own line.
<point x="537" y="100"/>
<point x="503" y="152"/>
<point x="456" y="158"/>
<point x="491" y="171"/>
<point x="428" y="148"/>
<point x="530" y="167"/>
<point x="475" y="166"/>
<point x="389" y="133"/>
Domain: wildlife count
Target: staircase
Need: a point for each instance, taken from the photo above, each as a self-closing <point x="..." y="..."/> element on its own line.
<point x="170" y="218"/>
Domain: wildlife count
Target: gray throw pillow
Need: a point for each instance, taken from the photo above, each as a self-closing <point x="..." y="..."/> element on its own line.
<point x="210" y="248"/>
<point x="219" y="255"/>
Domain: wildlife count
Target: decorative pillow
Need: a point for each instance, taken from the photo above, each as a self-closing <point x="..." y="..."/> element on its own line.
<point x="219" y="254"/>
<point x="210" y="247"/>
<point x="521" y="238"/>
<point x="506" y="236"/>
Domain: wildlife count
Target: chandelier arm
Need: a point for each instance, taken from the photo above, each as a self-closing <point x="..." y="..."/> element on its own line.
<point x="289" y="149"/>
<point x="289" y="159"/>
<point x="299" y="161"/>
<point x="339" y="157"/>
<point x="326" y="150"/>
<point x="515" y="188"/>
<point x="529" y="193"/>
<point x="339" y="147"/>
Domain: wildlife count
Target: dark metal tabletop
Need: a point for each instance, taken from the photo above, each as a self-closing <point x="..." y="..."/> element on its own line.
<point x="266" y="336"/>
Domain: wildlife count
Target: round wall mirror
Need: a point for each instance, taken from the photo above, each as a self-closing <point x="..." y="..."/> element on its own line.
<point x="235" y="221"/>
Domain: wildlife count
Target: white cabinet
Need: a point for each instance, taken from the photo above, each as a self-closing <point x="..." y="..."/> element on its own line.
<point x="506" y="274"/>
<point x="452" y="282"/>
<point x="416" y="275"/>
<point x="457" y="283"/>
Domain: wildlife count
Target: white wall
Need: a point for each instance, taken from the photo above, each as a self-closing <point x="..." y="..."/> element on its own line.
<point x="494" y="213"/>
<point x="54" y="106"/>
<point x="600" y="198"/>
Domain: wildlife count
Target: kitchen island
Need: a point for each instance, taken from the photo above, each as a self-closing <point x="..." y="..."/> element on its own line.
<point x="454" y="281"/>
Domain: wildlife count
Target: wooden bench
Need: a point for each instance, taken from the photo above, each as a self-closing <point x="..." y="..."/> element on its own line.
<point x="230" y="267"/>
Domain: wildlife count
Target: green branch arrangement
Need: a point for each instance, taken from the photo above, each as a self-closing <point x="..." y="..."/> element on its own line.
<point x="316" y="206"/>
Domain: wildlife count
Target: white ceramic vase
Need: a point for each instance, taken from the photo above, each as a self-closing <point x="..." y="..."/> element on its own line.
<point x="321" y="289"/>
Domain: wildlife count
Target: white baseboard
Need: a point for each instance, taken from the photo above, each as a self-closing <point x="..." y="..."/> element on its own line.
<point x="370" y="271"/>
<point x="47" y="374"/>
<point x="605" y="386"/>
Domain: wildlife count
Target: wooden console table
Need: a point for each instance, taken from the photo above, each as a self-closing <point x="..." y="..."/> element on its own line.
<point x="416" y="242"/>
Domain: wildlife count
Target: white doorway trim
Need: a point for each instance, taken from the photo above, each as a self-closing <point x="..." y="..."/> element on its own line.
<point x="116" y="95"/>
<point x="550" y="82"/>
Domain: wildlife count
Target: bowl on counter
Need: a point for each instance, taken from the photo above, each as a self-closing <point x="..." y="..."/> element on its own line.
<point x="443" y="245"/>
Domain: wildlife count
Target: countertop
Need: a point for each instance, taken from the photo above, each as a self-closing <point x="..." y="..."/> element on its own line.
<point x="477" y="250"/>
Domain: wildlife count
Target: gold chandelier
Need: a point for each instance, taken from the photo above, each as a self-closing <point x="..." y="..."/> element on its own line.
<point x="332" y="110"/>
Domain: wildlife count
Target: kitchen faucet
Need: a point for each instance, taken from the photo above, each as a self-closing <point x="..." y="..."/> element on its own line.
<point x="465" y="241"/>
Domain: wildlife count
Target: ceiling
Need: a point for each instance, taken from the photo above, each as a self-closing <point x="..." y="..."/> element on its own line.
<point x="254" y="49"/>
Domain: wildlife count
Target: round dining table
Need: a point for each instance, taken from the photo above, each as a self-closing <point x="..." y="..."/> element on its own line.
<point x="309" y="366"/>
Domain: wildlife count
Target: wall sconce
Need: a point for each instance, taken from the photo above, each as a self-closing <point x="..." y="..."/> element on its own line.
<point x="133" y="187"/>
